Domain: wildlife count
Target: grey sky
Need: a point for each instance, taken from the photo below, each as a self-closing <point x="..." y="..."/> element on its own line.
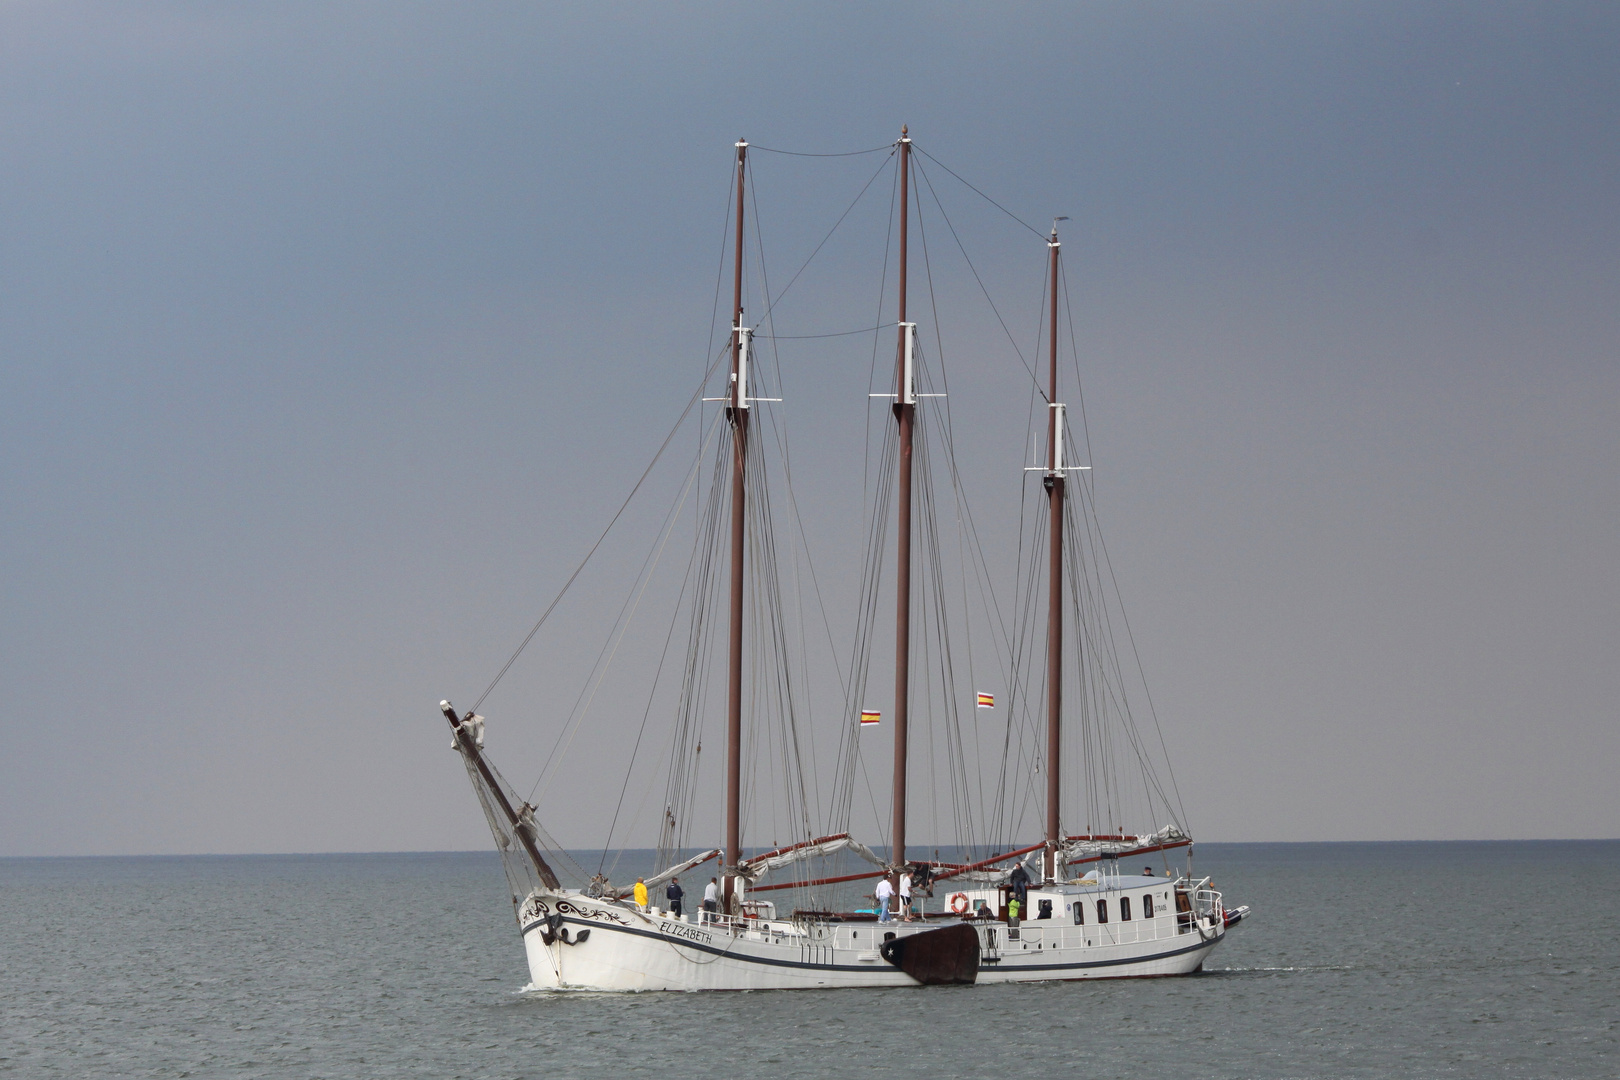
<point x="308" y="313"/>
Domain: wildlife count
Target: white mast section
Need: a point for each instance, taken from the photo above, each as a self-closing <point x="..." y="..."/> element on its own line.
<point x="910" y="382"/>
<point x="1060" y="466"/>
<point x="740" y="398"/>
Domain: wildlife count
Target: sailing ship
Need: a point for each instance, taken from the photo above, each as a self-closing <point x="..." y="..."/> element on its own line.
<point x="1066" y="906"/>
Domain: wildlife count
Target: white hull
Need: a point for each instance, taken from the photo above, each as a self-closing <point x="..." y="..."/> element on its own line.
<point x="628" y="949"/>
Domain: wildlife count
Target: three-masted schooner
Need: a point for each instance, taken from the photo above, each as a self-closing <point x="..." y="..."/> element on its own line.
<point x="994" y="921"/>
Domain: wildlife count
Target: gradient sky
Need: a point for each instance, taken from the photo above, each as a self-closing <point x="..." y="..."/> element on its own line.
<point x="311" y="316"/>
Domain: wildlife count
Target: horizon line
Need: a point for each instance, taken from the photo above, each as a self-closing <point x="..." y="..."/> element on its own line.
<point x="494" y="852"/>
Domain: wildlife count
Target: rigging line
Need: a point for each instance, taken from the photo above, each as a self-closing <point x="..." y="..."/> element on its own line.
<point x="771" y="624"/>
<point x="839" y="333"/>
<point x="1020" y="641"/>
<point x="770" y="303"/>
<point x="1141" y="671"/>
<point x="1074" y="348"/>
<point x="800" y="153"/>
<point x="693" y="400"/>
<point x="950" y="706"/>
<point x="719" y="276"/>
<point x="963" y="508"/>
<point x="779" y="428"/>
<point x="622" y="625"/>
<point x="1020" y="720"/>
<point x="962" y="803"/>
<point x="683" y="783"/>
<point x="979" y="193"/>
<point x="962" y="811"/>
<point x="1089" y="484"/>
<point x="883" y="286"/>
<point x="803" y="544"/>
<point x="963" y="249"/>
<point x="607" y="844"/>
<point x="850" y="761"/>
<point x="714" y="308"/>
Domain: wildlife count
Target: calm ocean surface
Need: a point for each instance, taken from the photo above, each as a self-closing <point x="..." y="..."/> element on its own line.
<point x="1361" y="960"/>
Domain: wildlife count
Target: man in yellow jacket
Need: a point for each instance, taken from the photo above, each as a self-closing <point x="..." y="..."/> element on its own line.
<point x="641" y="894"/>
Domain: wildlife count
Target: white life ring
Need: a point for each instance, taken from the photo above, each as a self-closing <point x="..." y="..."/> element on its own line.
<point x="959" y="903"/>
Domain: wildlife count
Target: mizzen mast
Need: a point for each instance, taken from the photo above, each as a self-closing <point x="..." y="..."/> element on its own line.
<point x="905" y="411"/>
<point x="737" y="410"/>
<point x="1054" y="572"/>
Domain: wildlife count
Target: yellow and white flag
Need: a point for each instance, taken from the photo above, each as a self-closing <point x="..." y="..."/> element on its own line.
<point x="987" y="701"/>
<point x="870" y="716"/>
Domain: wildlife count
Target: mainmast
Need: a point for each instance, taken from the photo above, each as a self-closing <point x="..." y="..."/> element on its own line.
<point x="738" y="413"/>
<point x="1054" y="575"/>
<point x="905" y="411"/>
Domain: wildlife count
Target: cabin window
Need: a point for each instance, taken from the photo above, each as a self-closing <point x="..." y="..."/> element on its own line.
<point x="1124" y="909"/>
<point x="1045" y="910"/>
<point x="1102" y="911"/>
<point x="1079" y="913"/>
<point x="1147" y="905"/>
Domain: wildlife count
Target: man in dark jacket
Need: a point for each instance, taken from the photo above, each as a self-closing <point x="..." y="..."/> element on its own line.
<point x="674" y="893"/>
<point x="1019" y="880"/>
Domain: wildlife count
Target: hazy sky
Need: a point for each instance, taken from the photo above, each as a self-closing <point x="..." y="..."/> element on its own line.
<point x="330" y="334"/>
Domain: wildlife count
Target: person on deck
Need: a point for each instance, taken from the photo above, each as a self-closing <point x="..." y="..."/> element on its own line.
<point x="905" y="894"/>
<point x="711" y="898"/>
<point x="675" y="894"/>
<point x="640" y="892"/>
<point x="881" y="894"/>
<point x="1147" y="871"/>
<point x="1019" y="880"/>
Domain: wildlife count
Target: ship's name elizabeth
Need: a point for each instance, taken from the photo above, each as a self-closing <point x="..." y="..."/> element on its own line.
<point x="682" y="930"/>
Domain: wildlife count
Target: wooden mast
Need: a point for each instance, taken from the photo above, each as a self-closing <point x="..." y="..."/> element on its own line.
<point x="905" y="411"/>
<point x="738" y="410"/>
<point x="1054" y="595"/>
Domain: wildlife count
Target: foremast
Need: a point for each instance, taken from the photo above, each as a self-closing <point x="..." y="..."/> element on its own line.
<point x="737" y="411"/>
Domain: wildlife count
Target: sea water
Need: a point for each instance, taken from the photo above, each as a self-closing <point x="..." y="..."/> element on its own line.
<point x="1360" y="960"/>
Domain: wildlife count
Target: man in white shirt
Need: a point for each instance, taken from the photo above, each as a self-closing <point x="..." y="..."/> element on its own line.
<point x="881" y="894"/>
<point x="905" y="893"/>
<point x="711" y="899"/>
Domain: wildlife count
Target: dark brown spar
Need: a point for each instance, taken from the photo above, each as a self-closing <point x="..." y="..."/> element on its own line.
<point x="739" y="458"/>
